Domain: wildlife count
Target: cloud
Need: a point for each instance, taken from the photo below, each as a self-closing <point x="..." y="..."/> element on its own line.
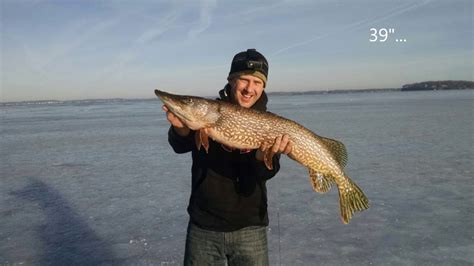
<point x="65" y="47"/>
<point x="157" y="29"/>
<point x="357" y="25"/>
<point x="205" y="18"/>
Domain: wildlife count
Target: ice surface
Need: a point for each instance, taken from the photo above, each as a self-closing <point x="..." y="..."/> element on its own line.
<point x="96" y="182"/>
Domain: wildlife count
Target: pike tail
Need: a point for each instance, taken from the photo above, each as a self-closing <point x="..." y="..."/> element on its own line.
<point x="351" y="199"/>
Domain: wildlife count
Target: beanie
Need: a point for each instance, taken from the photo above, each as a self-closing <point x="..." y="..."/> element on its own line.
<point x="249" y="62"/>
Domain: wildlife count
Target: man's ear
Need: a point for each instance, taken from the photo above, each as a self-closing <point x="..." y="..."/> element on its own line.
<point x="232" y="82"/>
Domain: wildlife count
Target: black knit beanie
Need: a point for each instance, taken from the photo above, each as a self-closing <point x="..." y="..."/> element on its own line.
<point x="249" y="62"/>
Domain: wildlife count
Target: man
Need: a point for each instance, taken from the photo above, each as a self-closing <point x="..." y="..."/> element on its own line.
<point x="228" y="203"/>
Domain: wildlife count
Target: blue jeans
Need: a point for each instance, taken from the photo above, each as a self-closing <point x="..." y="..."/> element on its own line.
<point x="247" y="246"/>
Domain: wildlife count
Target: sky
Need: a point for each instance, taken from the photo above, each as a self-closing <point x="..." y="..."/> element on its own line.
<point x="71" y="49"/>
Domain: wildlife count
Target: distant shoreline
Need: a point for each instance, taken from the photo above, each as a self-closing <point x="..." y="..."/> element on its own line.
<point x="432" y="86"/>
<point x="420" y="86"/>
<point x="331" y="91"/>
<point x="354" y="91"/>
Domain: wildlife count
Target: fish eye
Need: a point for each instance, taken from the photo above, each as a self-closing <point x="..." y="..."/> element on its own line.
<point x="187" y="101"/>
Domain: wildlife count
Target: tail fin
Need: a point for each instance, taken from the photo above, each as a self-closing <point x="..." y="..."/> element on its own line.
<point x="351" y="199"/>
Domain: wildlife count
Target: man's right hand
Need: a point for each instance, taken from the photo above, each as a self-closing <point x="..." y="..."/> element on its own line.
<point x="177" y="124"/>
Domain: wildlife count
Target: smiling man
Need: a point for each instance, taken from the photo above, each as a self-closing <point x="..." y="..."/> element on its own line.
<point x="246" y="89"/>
<point x="247" y="77"/>
<point x="228" y="203"/>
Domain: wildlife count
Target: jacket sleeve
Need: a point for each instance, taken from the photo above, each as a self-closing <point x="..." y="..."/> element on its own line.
<point x="262" y="171"/>
<point x="179" y="143"/>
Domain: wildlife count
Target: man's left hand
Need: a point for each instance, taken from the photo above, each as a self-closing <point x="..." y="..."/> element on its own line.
<point x="282" y="144"/>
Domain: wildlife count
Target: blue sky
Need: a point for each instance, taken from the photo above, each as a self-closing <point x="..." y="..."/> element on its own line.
<point x="73" y="49"/>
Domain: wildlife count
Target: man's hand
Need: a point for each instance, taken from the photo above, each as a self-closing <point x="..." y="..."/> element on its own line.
<point x="282" y="144"/>
<point x="177" y="124"/>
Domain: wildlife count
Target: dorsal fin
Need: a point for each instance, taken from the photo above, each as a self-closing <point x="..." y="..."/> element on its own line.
<point x="337" y="149"/>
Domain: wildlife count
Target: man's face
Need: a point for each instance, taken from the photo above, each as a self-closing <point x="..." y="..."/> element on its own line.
<point x="246" y="90"/>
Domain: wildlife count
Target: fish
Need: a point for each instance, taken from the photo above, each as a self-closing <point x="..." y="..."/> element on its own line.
<point x="246" y="128"/>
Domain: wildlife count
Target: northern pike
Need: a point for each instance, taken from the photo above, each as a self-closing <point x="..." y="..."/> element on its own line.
<point x="245" y="128"/>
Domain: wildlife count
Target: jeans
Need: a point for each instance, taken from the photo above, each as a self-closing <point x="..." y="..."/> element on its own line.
<point x="247" y="246"/>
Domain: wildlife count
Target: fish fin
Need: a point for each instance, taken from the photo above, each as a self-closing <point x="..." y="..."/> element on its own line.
<point x="265" y="148"/>
<point x="202" y="139"/>
<point x="321" y="183"/>
<point x="337" y="149"/>
<point x="351" y="199"/>
<point x="268" y="158"/>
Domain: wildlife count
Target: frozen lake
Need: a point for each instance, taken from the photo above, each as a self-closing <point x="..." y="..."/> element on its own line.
<point x="97" y="183"/>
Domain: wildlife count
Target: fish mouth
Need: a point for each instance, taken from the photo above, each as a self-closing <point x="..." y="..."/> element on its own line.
<point x="169" y="100"/>
<point x="164" y="96"/>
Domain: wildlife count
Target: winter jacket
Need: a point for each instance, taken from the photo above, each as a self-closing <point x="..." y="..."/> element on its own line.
<point x="228" y="185"/>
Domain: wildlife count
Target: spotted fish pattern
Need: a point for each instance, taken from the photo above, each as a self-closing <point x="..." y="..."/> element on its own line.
<point x="244" y="128"/>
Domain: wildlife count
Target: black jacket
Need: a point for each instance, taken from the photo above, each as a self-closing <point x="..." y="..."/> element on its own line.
<point x="228" y="185"/>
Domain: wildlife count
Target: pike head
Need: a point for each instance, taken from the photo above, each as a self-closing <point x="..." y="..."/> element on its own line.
<point x="195" y="112"/>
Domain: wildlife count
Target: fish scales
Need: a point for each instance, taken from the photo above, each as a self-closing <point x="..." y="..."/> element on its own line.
<point x="245" y="128"/>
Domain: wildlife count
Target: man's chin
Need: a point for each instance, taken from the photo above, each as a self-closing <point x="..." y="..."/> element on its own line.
<point x="246" y="103"/>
